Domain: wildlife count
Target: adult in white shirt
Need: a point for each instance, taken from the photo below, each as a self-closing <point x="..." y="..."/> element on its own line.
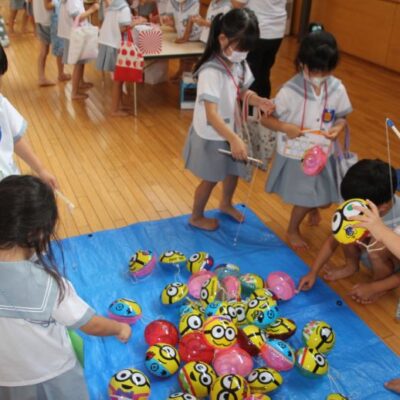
<point x="271" y="16"/>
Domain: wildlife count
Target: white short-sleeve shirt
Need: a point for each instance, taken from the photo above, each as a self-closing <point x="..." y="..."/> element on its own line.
<point x="69" y="10"/>
<point x="290" y="101"/>
<point x="181" y="13"/>
<point x="32" y="352"/>
<point x="12" y="128"/>
<point x="216" y="86"/>
<point x="110" y="32"/>
<point x="41" y="14"/>
<point x="271" y="15"/>
<point x="216" y="7"/>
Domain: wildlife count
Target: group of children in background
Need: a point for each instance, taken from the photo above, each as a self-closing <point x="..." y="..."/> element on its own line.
<point x="312" y="99"/>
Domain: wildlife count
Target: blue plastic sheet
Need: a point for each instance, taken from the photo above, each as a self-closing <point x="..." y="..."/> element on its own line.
<point x="97" y="264"/>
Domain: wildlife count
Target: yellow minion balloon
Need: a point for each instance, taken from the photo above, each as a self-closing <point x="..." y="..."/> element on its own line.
<point x="199" y="261"/>
<point x="343" y="229"/>
<point x="319" y="335"/>
<point x="190" y="322"/>
<point x="264" y="380"/>
<point x="196" y="378"/>
<point x="220" y="332"/>
<point x="209" y="291"/>
<point x="282" y="329"/>
<point x="229" y="387"/>
<point x="162" y="360"/>
<point x="181" y="396"/>
<point x="311" y="362"/>
<point x="336" y="396"/>
<point x="255" y="334"/>
<point x="174" y="293"/>
<point x="129" y="383"/>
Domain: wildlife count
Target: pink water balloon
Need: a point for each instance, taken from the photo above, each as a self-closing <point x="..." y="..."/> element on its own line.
<point x="233" y="361"/>
<point x="196" y="280"/>
<point x="281" y="284"/>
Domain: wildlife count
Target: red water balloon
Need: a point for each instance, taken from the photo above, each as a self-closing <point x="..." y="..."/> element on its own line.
<point x="161" y="331"/>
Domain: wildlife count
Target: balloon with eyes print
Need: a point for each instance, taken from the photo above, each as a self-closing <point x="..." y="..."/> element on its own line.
<point x="129" y="383"/>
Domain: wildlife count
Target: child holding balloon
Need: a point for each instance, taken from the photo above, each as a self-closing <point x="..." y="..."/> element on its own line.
<point x="313" y="103"/>
<point x="36" y="303"/>
<point x="223" y="79"/>
<point x="373" y="180"/>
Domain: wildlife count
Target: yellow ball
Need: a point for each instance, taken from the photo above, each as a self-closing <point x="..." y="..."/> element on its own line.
<point x="199" y="261"/>
<point x="282" y="328"/>
<point x="209" y="291"/>
<point x="174" y="293"/>
<point x="196" y="378"/>
<point x="319" y="335"/>
<point x="162" y="360"/>
<point x="264" y="380"/>
<point x="220" y="332"/>
<point x="190" y="322"/>
<point x="343" y="229"/>
<point x="229" y="387"/>
<point x="311" y="362"/>
<point x="129" y="383"/>
<point x="336" y="396"/>
<point x="255" y="334"/>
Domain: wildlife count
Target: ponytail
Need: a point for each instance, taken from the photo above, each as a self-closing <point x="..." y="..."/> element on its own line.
<point x="212" y="46"/>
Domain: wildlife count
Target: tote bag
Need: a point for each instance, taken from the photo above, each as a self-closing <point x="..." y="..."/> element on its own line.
<point x="129" y="65"/>
<point x="83" y="42"/>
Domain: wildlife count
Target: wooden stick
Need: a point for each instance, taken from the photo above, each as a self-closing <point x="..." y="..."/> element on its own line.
<point x="250" y="159"/>
<point x="65" y="199"/>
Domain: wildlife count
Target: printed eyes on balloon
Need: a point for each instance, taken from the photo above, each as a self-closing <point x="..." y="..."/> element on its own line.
<point x="265" y="377"/>
<point x="227" y="381"/>
<point x="350" y="211"/>
<point x="217" y="332"/>
<point x="264" y="336"/>
<point x="204" y="294"/>
<point x="138" y="379"/>
<point x="123" y="375"/>
<point x="177" y="284"/>
<point x="270" y="314"/>
<point x="200" y="368"/>
<point x="326" y="333"/>
<point x="336" y="221"/>
<point x="224" y="395"/>
<point x="253" y="303"/>
<point x="119" y="307"/>
<point x="194" y="257"/>
<point x="169" y="253"/>
<point x="232" y="312"/>
<point x="194" y="322"/>
<point x="253" y="376"/>
<point x="172" y="291"/>
<point x="230" y="334"/>
<point x="240" y="313"/>
<point x="168" y="352"/>
<point x="320" y="359"/>
<point x="205" y="379"/>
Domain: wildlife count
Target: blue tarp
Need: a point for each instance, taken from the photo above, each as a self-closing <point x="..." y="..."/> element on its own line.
<point x="97" y="264"/>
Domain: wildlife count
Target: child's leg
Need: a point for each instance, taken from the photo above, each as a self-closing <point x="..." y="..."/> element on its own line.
<point x="43" y="53"/>
<point x="293" y="232"/>
<point x="77" y="74"/>
<point x="62" y="76"/>
<point x="11" y="20"/>
<point x="116" y="100"/>
<point x="228" y="189"/>
<point x="314" y="216"/>
<point x="25" y="18"/>
<point x="82" y="83"/>
<point x="352" y="264"/>
<point x="382" y="262"/>
<point x="201" y="196"/>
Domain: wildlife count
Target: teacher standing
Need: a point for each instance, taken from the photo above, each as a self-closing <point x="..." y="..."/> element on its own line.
<point x="271" y="16"/>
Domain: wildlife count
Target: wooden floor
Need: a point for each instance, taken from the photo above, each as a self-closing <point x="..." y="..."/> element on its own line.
<point x="120" y="171"/>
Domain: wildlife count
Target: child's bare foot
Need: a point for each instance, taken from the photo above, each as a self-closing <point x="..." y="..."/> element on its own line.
<point x="314" y="217"/>
<point x="119" y="113"/>
<point x="296" y="240"/>
<point x="46" y="82"/>
<point x="232" y="212"/>
<point x="79" y="96"/>
<point x="64" y="77"/>
<point x="206" y="224"/>
<point x="333" y="274"/>
<point x="85" y="85"/>
<point x="393" y="385"/>
<point x="365" y="293"/>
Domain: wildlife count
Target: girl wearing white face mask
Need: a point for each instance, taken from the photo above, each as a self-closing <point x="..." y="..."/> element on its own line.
<point x="223" y="78"/>
<point x="312" y="100"/>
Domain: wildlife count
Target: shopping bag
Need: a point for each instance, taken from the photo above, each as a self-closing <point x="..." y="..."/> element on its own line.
<point x="83" y="42"/>
<point x="262" y="139"/>
<point x="130" y="63"/>
<point x="344" y="157"/>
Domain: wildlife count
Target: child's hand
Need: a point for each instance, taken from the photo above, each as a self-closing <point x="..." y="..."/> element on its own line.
<point x="307" y="281"/>
<point x="266" y="105"/>
<point x="197" y="19"/>
<point x="333" y="133"/>
<point x="124" y="333"/>
<point x="238" y="148"/>
<point x="293" y="131"/>
<point x="48" y="178"/>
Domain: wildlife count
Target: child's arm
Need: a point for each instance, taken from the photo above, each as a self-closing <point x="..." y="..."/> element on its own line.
<point x="186" y="34"/>
<point x="100" y="326"/>
<point x="336" y="129"/>
<point x="199" y="20"/>
<point x="238" y="148"/>
<point x="264" y="104"/>
<point x="91" y="10"/>
<point x="23" y="150"/>
<point x="327" y="249"/>
<point x="293" y="131"/>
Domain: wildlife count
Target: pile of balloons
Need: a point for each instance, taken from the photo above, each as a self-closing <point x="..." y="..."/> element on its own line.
<point x="226" y="319"/>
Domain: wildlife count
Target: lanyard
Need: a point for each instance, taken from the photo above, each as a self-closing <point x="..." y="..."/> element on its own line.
<point x="305" y="103"/>
<point x="231" y="76"/>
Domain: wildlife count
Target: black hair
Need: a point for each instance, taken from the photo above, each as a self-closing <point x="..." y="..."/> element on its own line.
<point x="3" y="61"/>
<point x="318" y="50"/>
<point x="374" y="180"/>
<point x="28" y="217"/>
<point x="238" y="25"/>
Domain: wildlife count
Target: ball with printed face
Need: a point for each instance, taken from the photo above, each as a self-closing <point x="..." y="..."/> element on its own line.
<point x="209" y="291"/>
<point x="174" y="293"/>
<point x="264" y="380"/>
<point x="162" y="360"/>
<point x="129" y="383"/>
<point x="172" y="258"/>
<point x="199" y="261"/>
<point x="336" y="396"/>
<point x="262" y="312"/>
<point x="197" y="378"/>
<point x="282" y="328"/>
<point x="220" y="332"/>
<point x="190" y="322"/>
<point x="142" y="263"/>
<point x="181" y="396"/>
<point x="344" y="229"/>
<point x="229" y="387"/>
<point x="319" y="335"/>
<point x="250" y="282"/>
<point x="278" y="355"/>
<point x="125" y="310"/>
<point x="311" y="362"/>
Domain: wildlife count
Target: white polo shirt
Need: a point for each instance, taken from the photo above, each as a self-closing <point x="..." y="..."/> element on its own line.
<point x="34" y="352"/>
<point x="69" y="10"/>
<point x="290" y="100"/>
<point x="110" y="32"/>
<point x="215" y="7"/>
<point x="271" y="16"/>
<point x="181" y="13"/>
<point x="41" y="14"/>
<point x="216" y="86"/>
<point x="12" y="128"/>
